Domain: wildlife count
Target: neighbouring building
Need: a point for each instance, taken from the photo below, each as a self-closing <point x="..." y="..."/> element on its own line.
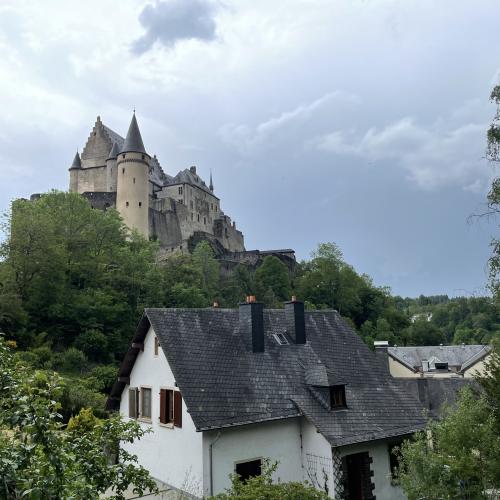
<point x="443" y="361"/>
<point x="222" y="389"/>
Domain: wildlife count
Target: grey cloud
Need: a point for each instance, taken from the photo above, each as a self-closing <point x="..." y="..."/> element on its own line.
<point x="173" y="20"/>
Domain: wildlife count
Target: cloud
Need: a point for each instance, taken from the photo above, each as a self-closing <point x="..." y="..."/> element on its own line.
<point x="247" y="139"/>
<point x="440" y="154"/>
<point x="170" y="21"/>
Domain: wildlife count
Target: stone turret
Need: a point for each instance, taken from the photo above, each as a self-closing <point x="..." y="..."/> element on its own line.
<point x="76" y="166"/>
<point x="132" y="187"/>
<point x="111" y="170"/>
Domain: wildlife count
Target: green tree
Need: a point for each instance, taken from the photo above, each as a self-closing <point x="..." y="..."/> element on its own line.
<point x="457" y="457"/>
<point x="208" y="269"/>
<point x="40" y="459"/>
<point x="272" y="281"/>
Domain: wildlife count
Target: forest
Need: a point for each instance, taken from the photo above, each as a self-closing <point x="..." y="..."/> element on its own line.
<point x="73" y="286"/>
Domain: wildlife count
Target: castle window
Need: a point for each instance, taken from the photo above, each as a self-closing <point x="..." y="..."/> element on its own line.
<point x="134" y="180"/>
<point x="205" y="221"/>
<point x="192" y="216"/>
<point x="123" y="156"/>
<point x="191" y="204"/>
<point x="198" y="217"/>
<point x="143" y="157"/>
<point x="123" y="170"/>
<point x="140" y="203"/>
<point x="126" y="203"/>
<point x="180" y="189"/>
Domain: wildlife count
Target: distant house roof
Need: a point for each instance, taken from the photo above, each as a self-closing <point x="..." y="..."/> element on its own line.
<point x="459" y="356"/>
<point x="224" y="383"/>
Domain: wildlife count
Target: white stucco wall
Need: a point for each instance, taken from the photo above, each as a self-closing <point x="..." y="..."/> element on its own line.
<point x="379" y="452"/>
<point x="276" y="440"/>
<point x="171" y="454"/>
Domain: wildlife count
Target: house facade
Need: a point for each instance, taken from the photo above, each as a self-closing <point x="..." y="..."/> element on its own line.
<point x="443" y="361"/>
<point x="223" y="389"/>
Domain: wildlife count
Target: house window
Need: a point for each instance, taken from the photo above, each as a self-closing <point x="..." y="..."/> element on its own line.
<point x="123" y="156"/>
<point x="249" y="469"/>
<point x="180" y="201"/>
<point x="156" y="346"/>
<point x="198" y="217"/>
<point x="123" y="170"/>
<point x="133" y="402"/>
<point x="281" y="339"/>
<point x="143" y="157"/>
<point x="192" y="216"/>
<point x="134" y="180"/>
<point x="180" y="189"/>
<point x="205" y="221"/>
<point x="145" y="402"/>
<point x="337" y="396"/>
<point x="126" y="203"/>
<point x="171" y="407"/>
<point x="394" y="458"/>
<point x="191" y="204"/>
<point x="440" y="366"/>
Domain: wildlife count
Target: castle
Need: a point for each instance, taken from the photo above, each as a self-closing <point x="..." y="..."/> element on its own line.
<point x="178" y="211"/>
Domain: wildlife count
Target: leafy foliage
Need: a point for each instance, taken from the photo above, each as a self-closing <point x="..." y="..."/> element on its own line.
<point x="40" y="459"/>
<point x="459" y="456"/>
<point x="263" y="488"/>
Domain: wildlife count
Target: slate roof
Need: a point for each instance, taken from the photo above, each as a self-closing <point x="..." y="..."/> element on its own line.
<point x="187" y="177"/>
<point x="114" y="151"/>
<point x="133" y="142"/>
<point x="225" y="384"/>
<point x="460" y="356"/>
<point x="77" y="163"/>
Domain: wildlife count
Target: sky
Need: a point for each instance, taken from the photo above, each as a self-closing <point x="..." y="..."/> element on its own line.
<point x="359" y="122"/>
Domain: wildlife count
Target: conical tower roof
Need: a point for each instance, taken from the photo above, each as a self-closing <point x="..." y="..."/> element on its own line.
<point x="133" y="141"/>
<point x="114" y="151"/>
<point x="211" y="187"/>
<point x="77" y="163"/>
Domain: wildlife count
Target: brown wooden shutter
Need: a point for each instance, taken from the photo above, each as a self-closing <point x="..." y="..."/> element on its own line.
<point x="177" y="409"/>
<point x="163" y="406"/>
<point x="132" y="403"/>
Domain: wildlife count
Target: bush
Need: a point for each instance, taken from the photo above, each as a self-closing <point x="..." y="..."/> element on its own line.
<point x="102" y="378"/>
<point x="93" y="344"/>
<point x="73" y="361"/>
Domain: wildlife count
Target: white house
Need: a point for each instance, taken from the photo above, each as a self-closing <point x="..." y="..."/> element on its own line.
<point x="221" y="389"/>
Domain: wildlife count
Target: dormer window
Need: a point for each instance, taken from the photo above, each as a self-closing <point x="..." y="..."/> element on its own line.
<point x="441" y="366"/>
<point x="281" y="339"/>
<point x="337" y="397"/>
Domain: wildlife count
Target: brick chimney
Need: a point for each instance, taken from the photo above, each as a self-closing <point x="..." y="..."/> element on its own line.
<point x="251" y="320"/>
<point x="295" y="321"/>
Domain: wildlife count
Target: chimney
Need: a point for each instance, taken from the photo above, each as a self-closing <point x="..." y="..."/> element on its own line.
<point x="251" y="318"/>
<point x="382" y="350"/>
<point x="192" y="170"/>
<point x="295" y="321"/>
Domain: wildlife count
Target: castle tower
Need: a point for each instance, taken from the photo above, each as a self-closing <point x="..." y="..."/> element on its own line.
<point x="76" y="166"/>
<point x="132" y="186"/>
<point x="111" y="170"/>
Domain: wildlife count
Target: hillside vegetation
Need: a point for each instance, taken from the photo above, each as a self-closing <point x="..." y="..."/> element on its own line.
<point x="73" y="286"/>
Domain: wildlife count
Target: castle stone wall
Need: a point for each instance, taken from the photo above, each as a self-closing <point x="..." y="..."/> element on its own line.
<point x="91" y="179"/>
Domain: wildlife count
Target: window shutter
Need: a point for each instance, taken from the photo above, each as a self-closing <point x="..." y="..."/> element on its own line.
<point x="177" y="409"/>
<point x="132" y="403"/>
<point x="163" y="406"/>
